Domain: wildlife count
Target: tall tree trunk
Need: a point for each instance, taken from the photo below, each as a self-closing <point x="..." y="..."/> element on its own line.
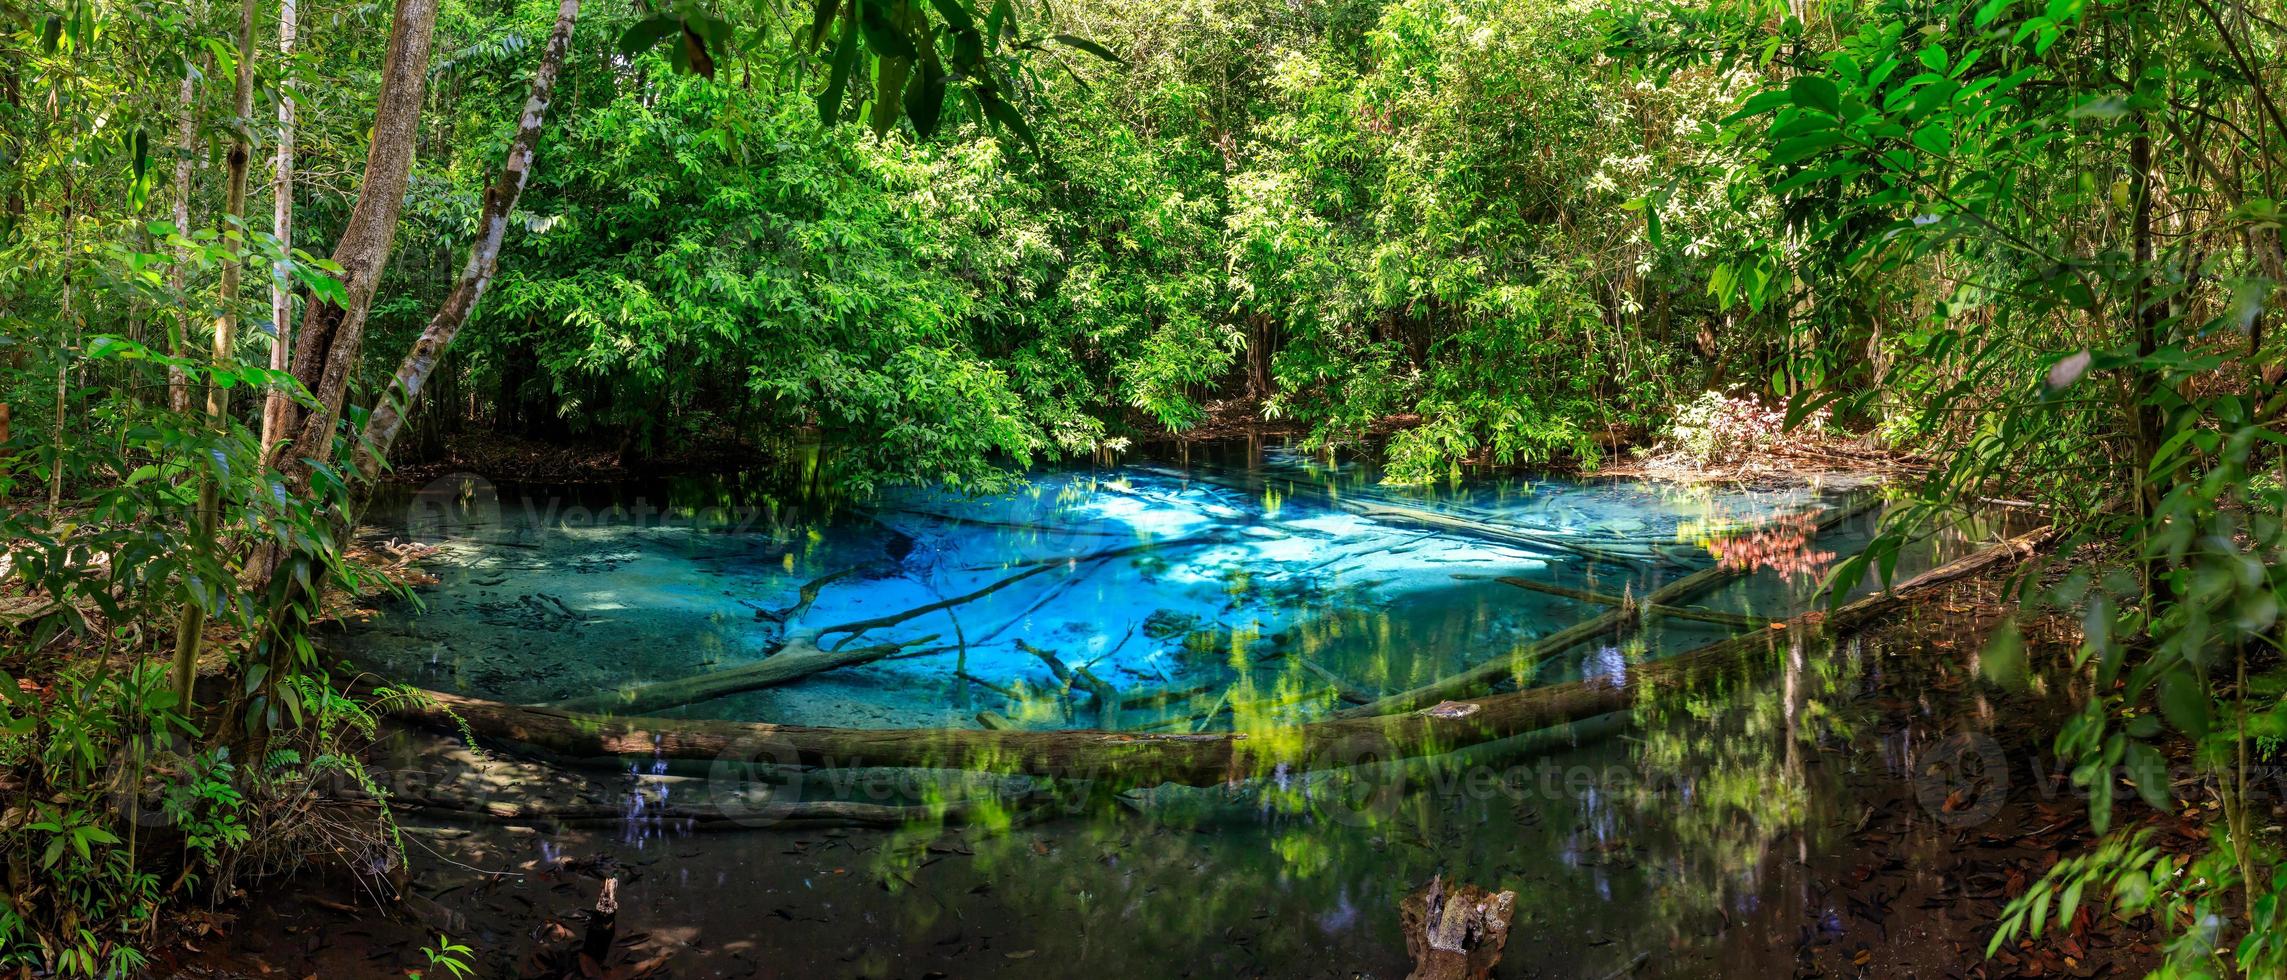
<point x="332" y="336"/>
<point x="413" y="373"/>
<point x="193" y="621"/>
<point x="186" y="130"/>
<point x="282" y="225"/>
<point x="64" y="337"/>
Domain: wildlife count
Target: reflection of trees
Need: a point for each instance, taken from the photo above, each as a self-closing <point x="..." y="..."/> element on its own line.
<point x="1725" y="772"/>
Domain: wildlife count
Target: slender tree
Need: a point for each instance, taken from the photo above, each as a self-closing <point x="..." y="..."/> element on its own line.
<point x="282" y="225"/>
<point x="193" y="620"/>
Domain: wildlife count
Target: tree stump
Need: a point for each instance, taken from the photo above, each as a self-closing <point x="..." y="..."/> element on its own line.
<point x="1455" y="933"/>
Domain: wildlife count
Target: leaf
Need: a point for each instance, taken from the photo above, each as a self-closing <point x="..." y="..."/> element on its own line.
<point x="647" y="33"/>
<point x="2004" y="659"/>
<point x="2184" y="702"/>
<point x="1804" y="405"/>
<point x="838" y="73"/>
<point x="956" y="15"/>
<point x="884" y="37"/>
<point x="2149" y="771"/>
<point x="925" y="96"/>
<point x="695" y="56"/>
<point x="889" y="93"/>
<point x="1816" y="92"/>
<point x="1005" y="115"/>
<point x="1076" y="41"/>
<point x="821" y="18"/>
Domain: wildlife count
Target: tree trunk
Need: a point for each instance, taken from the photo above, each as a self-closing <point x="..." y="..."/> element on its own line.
<point x="64" y="338"/>
<point x="332" y="337"/>
<point x="178" y="277"/>
<point x="413" y="373"/>
<point x="282" y="225"/>
<point x="192" y="624"/>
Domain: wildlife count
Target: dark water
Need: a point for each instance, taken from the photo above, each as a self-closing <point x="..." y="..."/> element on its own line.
<point x="1240" y="586"/>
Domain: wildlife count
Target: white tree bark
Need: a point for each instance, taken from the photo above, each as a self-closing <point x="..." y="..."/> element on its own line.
<point x="186" y="130"/>
<point x="282" y="225"/>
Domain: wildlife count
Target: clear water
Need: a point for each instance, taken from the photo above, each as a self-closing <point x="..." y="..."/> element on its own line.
<point x="1664" y="839"/>
<point x="1220" y="590"/>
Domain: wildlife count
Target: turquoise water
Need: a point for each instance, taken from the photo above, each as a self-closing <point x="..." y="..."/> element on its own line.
<point x="1236" y="592"/>
<point x="1242" y="591"/>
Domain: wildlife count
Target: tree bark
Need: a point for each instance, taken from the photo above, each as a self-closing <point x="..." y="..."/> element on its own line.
<point x="178" y="277"/>
<point x="192" y="624"/>
<point x="282" y="225"/>
<point x="413" y="373"/>
<point x="333" y="336"/>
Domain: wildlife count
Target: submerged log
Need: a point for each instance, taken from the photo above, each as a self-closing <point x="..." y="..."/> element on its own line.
<point x="796" y="660"/>
<point x="1205" y="759"/>
<point x="1740" y="620"/>
<point x="1620" y="620"/>
<point x="1455" y="933"/>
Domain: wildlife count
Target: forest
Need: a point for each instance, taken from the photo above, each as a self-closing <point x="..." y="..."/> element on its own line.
<point x="1433" y="488"/>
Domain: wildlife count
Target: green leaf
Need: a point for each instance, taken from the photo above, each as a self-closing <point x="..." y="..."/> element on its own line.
<point x="2148" y="769"/>
<point x="882" y="36"/>
<point x="838" y="72"/>
<point x="646" y="34"/>
<point x="821" y="18"/>
<point x="956" y="14"/>
<point x="925" y="96"/>
<point x="1076" y="41"/>
<point x="2004" y="659"/>
<point x="1816" y="92"/>
<point x="2184" y="702"/>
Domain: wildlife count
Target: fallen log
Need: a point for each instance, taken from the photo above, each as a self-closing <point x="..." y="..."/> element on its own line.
<point x="1621" y="620"/>
<point x="1205" y="759"/>
<point x="792" y="815"/>
<point x="796" y="660"/>
<point x="1740" y="620"/>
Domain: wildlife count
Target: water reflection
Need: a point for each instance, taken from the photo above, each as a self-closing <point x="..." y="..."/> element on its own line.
<point x="1270" y="595"/>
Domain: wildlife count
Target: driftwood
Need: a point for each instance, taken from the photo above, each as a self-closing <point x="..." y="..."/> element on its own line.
<point x="1457" y="932"/>
<point x="1619" y="620"/>
<point x="1128" y="758"/>
<point x="1740" y="620"/>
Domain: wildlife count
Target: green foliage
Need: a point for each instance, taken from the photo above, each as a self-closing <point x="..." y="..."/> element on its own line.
<point x="445" y="959"/>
